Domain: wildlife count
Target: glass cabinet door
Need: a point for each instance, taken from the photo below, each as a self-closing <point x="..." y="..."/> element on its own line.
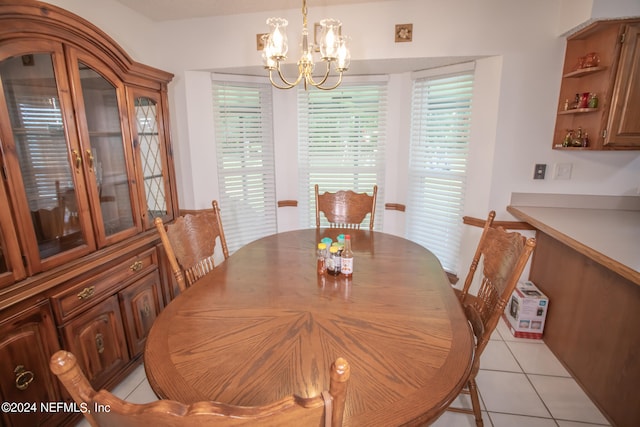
<point x="41" y="155"/>
<point x="11" y="268"/>
<point x="151" y="155"/>
<point x="106" y="155"/>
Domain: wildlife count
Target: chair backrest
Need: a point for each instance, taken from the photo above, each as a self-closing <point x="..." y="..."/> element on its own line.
<point x="189" y="243"/>
<point x="346" y="209"/>
<point x="105" y="409"/>
<point x="503" y="256"/>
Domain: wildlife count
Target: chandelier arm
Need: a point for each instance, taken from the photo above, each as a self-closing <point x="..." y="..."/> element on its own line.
<point x="324" y="78"/>
<point x="334" y="86"/>
<point x="284" y="80"/>
<point x="289" y="86"/>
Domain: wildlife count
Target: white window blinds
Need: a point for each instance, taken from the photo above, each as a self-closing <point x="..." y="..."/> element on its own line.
<point x="341" y="140"/>
<point x="440" y="124"/>
<point x="244" y="146"/>
<point x="41" y="146"/>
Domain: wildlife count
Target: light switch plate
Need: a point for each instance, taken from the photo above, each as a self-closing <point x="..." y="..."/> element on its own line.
<point x="562" y="171"/>
<point x="539" y="171"/>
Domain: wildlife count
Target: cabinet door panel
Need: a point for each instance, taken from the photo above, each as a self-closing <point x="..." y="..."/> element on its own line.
<point x="42" y="154"/>
<point x="98" y="341"/>
<point x="624" y="124"/>
<point x="11" y="267"/>
<point x="106" y="148"/>
<point x="141" y="303"/>
<point x="27" y="341"/>
<point x="152" y="156"/>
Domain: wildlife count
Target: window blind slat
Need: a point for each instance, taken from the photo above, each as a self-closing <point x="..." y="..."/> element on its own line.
<point x="246" y="166"/>
<point x="42" y="151"/>
<point x="440" y="123"/>
<point x="342" y="135"/>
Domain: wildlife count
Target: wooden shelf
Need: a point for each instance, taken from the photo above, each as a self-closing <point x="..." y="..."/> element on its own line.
<point x="583" y="72"/>
<point x="578" y="111"/>
<point x="560" y="147"/>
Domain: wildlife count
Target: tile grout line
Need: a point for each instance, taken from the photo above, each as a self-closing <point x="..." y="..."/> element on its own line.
<point x="529" y="374"/>
<point x="528" y="380"/>
<point x="535" y="417"/>
<point x="526" y="375"/>
<point x="136" y="387"/>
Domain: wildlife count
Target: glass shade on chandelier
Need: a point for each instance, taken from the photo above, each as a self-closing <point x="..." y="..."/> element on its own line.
<point x="332" y="47"/>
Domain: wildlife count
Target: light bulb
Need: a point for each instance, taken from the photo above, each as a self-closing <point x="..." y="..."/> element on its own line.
<point x="329" y="41"/>
<point x="277" y="40"/>
<point x="344" y="56"/>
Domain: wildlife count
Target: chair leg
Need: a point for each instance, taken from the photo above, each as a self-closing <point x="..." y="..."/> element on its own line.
<point x="475" y="402"/>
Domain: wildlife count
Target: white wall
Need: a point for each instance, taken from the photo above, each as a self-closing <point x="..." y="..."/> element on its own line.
<point x="514" y="106"/>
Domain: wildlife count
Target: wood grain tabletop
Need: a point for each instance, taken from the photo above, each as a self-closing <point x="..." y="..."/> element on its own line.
<point x="264" y="325"/>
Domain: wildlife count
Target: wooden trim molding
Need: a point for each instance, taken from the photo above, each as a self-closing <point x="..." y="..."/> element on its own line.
<point x="287" y="203"/>
<point x="34" y="19"/>
<point x="507" y="225"/>
<point x="395" y="207"/>
<point x="183" y="212"/>
<point x="281" y="204"/>
<point x="453" y="278"/>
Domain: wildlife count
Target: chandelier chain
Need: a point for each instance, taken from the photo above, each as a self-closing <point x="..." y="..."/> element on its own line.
<point x="304" y="13"/>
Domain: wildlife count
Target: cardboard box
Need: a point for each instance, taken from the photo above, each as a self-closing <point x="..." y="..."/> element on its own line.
<point x="526" y="311"/>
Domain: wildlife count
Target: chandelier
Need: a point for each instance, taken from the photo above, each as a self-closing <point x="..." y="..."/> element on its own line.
<point x="333" y="48"/>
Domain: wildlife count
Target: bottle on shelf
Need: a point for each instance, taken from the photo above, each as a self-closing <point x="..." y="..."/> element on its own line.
<point x="568" y="138"/>
<point x="347" y="257"/>
<point x="576" y="102"/>
<point x="334" y="262"/>
<point x="593" y="100"/>
<point x="577" y="140"/>
<point x="584" y="100"/>
<point x="322" y="258"/>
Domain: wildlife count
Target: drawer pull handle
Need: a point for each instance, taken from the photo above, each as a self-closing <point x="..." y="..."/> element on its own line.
<point x="100" y="343"/>
<point x="23" y="377"/>
<point x="87" y="292"/>
<point x="146" y="309"/>
<point x="136" y="266"/>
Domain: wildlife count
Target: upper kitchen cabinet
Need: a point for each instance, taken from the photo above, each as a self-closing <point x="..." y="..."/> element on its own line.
<point x="599" y="102"/>
<point x="86" y="158"/>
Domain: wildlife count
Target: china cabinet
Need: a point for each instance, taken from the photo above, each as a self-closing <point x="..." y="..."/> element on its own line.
<point x="86" y="165"/>
<point x="599" y="98"/>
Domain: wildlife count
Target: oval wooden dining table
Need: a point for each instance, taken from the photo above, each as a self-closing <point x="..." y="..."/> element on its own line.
<point x="263" y="325"/>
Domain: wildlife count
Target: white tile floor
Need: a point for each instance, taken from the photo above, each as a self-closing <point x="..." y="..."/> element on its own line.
<point x="521" y="384"/>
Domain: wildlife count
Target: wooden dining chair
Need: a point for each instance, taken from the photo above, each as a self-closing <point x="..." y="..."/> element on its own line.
<point x="189" y="243"/>
<point x="106" y="410"/>
<point x="502" y="256"/>
<point x="346" y="209"/>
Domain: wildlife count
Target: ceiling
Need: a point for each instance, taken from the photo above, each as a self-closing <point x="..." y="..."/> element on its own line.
<point x="166" y="10"/>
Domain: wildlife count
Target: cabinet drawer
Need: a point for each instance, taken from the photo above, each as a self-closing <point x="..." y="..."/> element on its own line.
<point x="88" y="292"/>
